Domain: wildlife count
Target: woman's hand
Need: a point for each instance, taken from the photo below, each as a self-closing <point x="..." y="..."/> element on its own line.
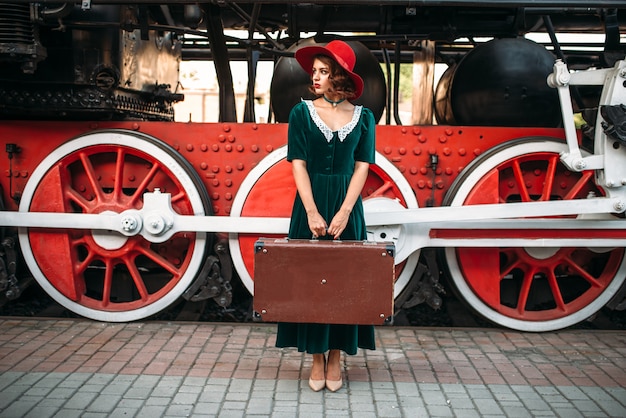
<point x="317" y="224"/>
<point x="339" y="222"/>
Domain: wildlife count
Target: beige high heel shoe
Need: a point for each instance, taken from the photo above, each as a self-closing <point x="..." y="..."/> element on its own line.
<point x="317" y="385"/>
<point x="334" y="385"/>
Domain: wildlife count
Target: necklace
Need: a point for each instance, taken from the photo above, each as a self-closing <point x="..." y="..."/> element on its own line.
<point x="332" y="102"/>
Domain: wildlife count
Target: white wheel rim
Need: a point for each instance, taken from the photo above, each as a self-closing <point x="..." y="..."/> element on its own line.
<point x="468" y="294"/>
<point x="279" y="155"/>
<point x="129" y="141"/>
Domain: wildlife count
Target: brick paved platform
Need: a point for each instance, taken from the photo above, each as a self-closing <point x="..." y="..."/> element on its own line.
<point x="81" y="368"/>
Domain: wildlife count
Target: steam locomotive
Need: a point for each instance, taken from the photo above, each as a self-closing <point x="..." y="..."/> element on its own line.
<point x="508" y="186"/>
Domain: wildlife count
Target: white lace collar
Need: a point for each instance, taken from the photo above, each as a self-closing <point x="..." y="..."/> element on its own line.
<point x="326" y="131"/>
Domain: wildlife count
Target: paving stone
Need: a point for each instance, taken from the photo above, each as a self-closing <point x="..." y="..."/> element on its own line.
<point x="414" y="373"/>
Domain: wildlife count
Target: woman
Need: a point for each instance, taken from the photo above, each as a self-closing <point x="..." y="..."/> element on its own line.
<point x="330" y="145"/>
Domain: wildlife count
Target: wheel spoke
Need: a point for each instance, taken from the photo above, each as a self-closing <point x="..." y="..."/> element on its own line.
<point x="583" y="273"/>
<point x="382" y="189"/>
<point x="581" y="184"/>
<point x="77" y="198"/>
<point x="144" y="184"/>
<point x="119" y="175"/>
<point x="556" y="291"/>
<point x="519" y="180"/>
<point x="108" y="282"/>
<point x="91" y="176"/>
<point x="159" y="260"/>
<point x="137" y="279"/>
<point x="529" y="275"/>
<point x="549" y="178"/>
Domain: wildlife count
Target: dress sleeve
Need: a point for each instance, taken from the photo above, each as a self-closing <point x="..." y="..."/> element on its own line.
<point x="296" y="138"/>
<point x="366" y="150"/>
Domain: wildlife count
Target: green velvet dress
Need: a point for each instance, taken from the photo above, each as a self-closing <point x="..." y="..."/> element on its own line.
<point x="330" y="158"/>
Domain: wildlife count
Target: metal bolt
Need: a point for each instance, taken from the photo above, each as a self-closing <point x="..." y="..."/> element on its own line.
<point x="619" y="206"/>
<point x="129" y="224"/>
<point x="323" y="281"/>
<point x="580" y="164"/>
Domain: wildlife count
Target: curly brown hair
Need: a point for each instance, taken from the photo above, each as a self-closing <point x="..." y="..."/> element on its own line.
<point x="340" y="81"/>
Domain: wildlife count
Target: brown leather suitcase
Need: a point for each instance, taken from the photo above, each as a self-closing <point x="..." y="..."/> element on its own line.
<point x="323" y="281"/>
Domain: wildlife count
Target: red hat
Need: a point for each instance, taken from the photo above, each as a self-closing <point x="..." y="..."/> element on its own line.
<point x="337" y="50"/>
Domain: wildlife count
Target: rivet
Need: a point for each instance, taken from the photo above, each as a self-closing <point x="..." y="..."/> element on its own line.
<point x="215" y="196"/>
<point x="448" y="131"/>
<point x="254" y="148"/>
<point x="462" y="151"/>
<point x="403" y="130"/>
<point x="221" y="138"/>
<point x="131" y="178"/>
<point x="239" y="166"/>
<point x="424" y="170"/>
<point x="413" y="170"/>
<point x="204" y="147"/>
<point x="421" y="138"/>
<point x="421" y="184"/>
<point x="215" y="147"/>
<point x="447" y="151"/>
<point x="387" y="150"/>
<point x="402" y="151"/>
<point x="228" y="147"/>
<point x="228" y="169"/>
<point x="190" y="147"/>
<point x="226" y="128"/>
<point x="416" y="131"/>
<point x="240" y="148"/>
<point x="231" y="138"/>
<point x="476" y="151"/>
<point x="216" y="182"/>
<point x="228" y="196"/>
<point x="215" y="169"/>
<point x="269" y="148"/>
<point x="448" y="171"/>
<point x="203" y="166"/>
<point x="417" y="151"/>
<point x="228" y="182"/>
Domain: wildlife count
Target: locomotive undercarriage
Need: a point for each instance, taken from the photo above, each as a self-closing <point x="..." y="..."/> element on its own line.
<point x="118" y="220"/>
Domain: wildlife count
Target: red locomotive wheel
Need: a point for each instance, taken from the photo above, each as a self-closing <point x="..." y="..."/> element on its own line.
<point x="104" y="275"/>
<point x="269" y="191"/>
<point x="530" y="289"/>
